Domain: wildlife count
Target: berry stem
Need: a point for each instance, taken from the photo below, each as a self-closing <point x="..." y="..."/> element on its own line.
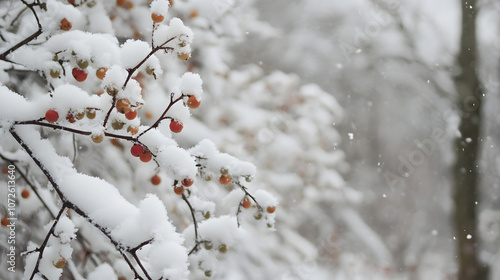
<point x="155" y="49"/>
<point x="113" y="103"/>
<point x="195" y="223"/>
<point x="162" y="117"/>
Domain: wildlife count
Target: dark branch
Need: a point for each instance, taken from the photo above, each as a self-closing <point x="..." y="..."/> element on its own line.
<point x="4" y="55"/>
<point x="155" y="49"/>
<point x="44" y="244"/>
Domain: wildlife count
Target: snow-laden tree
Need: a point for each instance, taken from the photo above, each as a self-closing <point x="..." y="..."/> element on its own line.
<point x="288" y="129"/>
<point x="98" y="188"/>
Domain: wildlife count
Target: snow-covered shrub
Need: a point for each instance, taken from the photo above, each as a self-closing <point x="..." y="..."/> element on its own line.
<point x="93" y="95"/>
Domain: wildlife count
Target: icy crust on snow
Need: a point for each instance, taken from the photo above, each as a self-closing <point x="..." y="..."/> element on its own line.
<point x="215" y="160"/>
<point x="126" y="223"/>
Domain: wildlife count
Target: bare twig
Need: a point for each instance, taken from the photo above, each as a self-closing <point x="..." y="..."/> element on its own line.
<point x="162" y="117"/>
<point x="195" y="224"/>
<point x="4" y="55"/>
<point x="155" y="49"/>
<point x="41" y="249"/>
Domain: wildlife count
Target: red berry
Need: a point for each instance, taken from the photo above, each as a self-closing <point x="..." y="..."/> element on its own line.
<point x="271" y="209"/>
<point x="25" y="193"/>
<point x="187" y="182"/>
<point x="51" y="116"/>
<point x="246" y="203"/>
<point x="146" y="156"/>
<point x="5" y="221"/>
<point x="131" y="115"/>
<point x="179" y="190"/>
<point x="136" y="150"/>
<point x="176" y="126"/>
<point x="79" y="74"/>
<point x="121" y="3"/>
<point x="155" y="180"/>
<point x="225" y="179"/>
<point x="70" y="118"/>
<point x="193" y="103"/>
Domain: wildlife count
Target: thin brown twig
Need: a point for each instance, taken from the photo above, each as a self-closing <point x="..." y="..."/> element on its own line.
<point x="4" y="55"/>
<point x="41" y="249"/>
<point x="162" y="117"/>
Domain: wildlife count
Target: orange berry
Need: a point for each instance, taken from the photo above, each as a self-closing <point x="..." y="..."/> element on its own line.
<point x="187" y="182"/>
<point x="246" y="203"/>
<point x="148" y="115"/>
<point x="80" y="115"/>
<point x="193" y="103"/>
<point x="179" y="190"/>
<point x="170" y="3"/>
<point x="25" y="193"/>
<point x="51" y="116"/>
<point x="271" y="209"/>
<point x="193" y="14"/>
<point x="90" y="114"/>
<point x="157" y="18"/>
<point x="146" y="156"/>
<point x="65" y="24"/>
<point x="60" y="263"/>
<point x="183" y="56"/>
<point x="225" y="179"/>
<point x="133" y="130"/>
<point x="97" y="138"/>
<point x="129" y="5"/>
<point x="155" y="180"/>
<point x="121" y="3"/>
<point x="5" y="221"/>
<point x="101" y="73"/>
<point x="123" y="106"/>
<point x="131" y="115"/>
<point x="115" y="142"/>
